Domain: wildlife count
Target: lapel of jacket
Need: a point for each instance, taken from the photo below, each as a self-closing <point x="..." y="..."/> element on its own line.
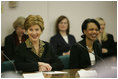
<point x="42" y="58"/>
<point x="33" y="54"/>
<point x="96" y="51"/>
<point x="69" y="40"/>
<point x="62" y="39"/>
<point x="14" y="38"/>
<point x="83" y="42"/>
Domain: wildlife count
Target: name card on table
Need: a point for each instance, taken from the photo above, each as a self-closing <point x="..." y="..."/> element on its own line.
<point x="87" y="73"/>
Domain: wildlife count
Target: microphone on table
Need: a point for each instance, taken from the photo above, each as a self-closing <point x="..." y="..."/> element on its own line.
<point x="99" y="65"/>
<point x="103" y="68"/>
<point x="93" y="54"/>
<point x="14" y="73"/>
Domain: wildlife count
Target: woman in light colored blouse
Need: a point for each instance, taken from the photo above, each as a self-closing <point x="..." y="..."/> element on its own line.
<point x="86" y="52"/>
<point x="62" y="41"/>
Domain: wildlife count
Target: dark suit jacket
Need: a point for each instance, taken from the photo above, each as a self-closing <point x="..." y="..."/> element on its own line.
<point x="27" y="61"/>
<point x="110" y="46"/>
<point x="10" y="44"/>
<point x="79" y="55"/>
<point x="60" y="45"/>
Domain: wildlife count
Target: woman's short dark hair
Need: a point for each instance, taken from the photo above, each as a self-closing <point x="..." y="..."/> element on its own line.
<point x="86" y="22"/>
<point x="59" y="20"/>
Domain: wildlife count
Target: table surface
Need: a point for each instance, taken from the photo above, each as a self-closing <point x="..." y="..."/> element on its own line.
<point x="72" y="73"/>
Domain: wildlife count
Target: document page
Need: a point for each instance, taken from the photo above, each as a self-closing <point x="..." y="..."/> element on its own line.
<point x="55" y="72"/>
<point x="33" y="75"/>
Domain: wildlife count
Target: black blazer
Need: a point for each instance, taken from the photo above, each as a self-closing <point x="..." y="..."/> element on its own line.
<point x="60" y="44"/>
<point x="79" y="55"/>
<point x="110" y="46"/>
<point x="27" y="61"/>
<point x="10" y="45"/>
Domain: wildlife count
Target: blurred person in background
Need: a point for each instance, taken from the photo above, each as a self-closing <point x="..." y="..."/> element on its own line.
<point x="16" y="38"/>
<point x="62" y="41"/>
<point x="106" y="40"/>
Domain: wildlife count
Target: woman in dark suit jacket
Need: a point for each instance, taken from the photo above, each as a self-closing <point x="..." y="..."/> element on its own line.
<point x="86" y="52"/>
<point x="62" y="41"/>
<point x="35" y="54"/>
<point x="106" y="40"/>
<point x="14" y="39"/>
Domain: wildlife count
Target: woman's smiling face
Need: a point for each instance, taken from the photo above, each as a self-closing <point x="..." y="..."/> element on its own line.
<point x="92" y="31"/>
<point x="34" y="33"/>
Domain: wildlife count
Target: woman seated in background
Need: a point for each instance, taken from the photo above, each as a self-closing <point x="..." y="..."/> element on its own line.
<point x="106" y="40"/>
<point x="62" y="41"/>
<point x="86" y="52"/>
<point x="14" y="39"/>
<point x="35" y="54"/>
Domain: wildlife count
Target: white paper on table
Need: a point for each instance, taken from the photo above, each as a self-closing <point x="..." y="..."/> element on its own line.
<point x="55" y="72"/>
<point x="87" y="73"/>
<point x="34" y="75"/>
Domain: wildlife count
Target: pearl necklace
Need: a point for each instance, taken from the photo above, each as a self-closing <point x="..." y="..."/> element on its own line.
<point x="20" y="41"/>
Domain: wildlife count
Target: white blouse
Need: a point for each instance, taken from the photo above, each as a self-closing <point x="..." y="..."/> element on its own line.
<point x="92" y="58"/>
<point x="65" y="38"/>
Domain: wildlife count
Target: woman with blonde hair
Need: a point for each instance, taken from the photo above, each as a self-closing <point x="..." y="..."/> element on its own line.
<point x="106" y="40"/>
<point x="35" y="54"/>
<point x="16" y="38"/>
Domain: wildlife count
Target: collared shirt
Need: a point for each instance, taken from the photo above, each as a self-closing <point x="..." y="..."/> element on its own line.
<point x="65" y="38"/>
<point x="41" y="48"/>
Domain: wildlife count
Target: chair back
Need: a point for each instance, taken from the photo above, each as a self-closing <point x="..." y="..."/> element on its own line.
<point x="65" y="61"/>
<point x="7" y="66"/>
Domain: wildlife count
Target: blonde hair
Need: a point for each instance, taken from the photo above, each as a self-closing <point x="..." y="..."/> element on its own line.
<point x="104" y="34"/>
<point x="19" y="22"/>
<point x="34" y="20"/>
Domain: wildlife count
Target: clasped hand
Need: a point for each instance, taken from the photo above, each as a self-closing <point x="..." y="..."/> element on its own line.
<point x="66" y="53"/>
<point x="44" y="66"/>
<point x="104" y="50"/>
